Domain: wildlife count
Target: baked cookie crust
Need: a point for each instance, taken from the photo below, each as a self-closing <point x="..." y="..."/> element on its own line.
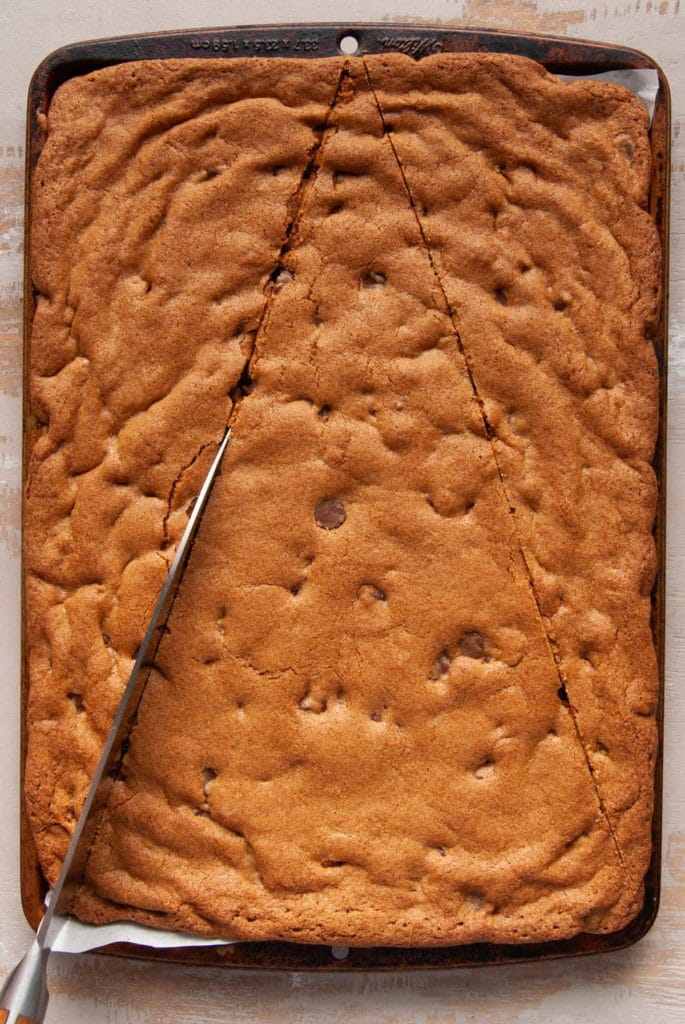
<point x="408" y="687"/>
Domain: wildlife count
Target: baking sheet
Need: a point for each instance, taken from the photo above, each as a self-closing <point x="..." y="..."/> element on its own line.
<point x="578" y="59"/>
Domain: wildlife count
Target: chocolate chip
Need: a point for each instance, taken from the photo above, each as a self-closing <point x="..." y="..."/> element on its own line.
<point x="281" y="277"/>
<point x="243" y="387"/>
<point x="474" y="900"/>
<point x="627" y="148"/>
<point x="374" y="279"/>
<point x="442" y="665"/>
<point x="330" y="515"/>
<point x="472" y="645"/>
<point x="340" y="175"/>
<point x="317" y="705"/>
<point x="77" y="700"/>
<point x="483" y="769"/>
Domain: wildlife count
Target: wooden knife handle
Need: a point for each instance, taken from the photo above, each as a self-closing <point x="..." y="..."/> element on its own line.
<point x="4" y="1016"/>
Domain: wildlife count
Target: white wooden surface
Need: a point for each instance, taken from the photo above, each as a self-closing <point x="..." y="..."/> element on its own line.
<point x="644" y="984"/>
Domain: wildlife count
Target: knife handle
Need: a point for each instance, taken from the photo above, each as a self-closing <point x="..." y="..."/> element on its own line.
<point x="24" y="996"/>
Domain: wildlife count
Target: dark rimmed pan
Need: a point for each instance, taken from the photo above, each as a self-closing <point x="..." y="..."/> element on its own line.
<point x="310" y="41"/>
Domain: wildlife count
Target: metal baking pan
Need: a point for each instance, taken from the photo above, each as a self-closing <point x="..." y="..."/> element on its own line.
<point x="565" y="56"/>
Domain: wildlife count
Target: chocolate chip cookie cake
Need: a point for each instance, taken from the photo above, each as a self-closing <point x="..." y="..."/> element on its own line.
<point x="406" y="694"/>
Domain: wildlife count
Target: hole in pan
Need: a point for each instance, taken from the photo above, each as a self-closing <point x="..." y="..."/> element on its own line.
<point x="348" y="45"/>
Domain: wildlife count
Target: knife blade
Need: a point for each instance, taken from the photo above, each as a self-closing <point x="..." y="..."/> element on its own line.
<point x="24" y="996"/>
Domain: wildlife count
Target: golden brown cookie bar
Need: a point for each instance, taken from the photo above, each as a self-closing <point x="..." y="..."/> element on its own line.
<point x="354" y="732"/>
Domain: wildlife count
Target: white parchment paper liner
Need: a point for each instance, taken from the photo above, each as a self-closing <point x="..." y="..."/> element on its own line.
<point x="76" y="937"/>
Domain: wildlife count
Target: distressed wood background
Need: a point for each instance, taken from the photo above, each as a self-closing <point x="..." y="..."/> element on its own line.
<point x="646" y="983"/>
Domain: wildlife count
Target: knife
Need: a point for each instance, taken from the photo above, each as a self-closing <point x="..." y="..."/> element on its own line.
<point x="24" y="996"/>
